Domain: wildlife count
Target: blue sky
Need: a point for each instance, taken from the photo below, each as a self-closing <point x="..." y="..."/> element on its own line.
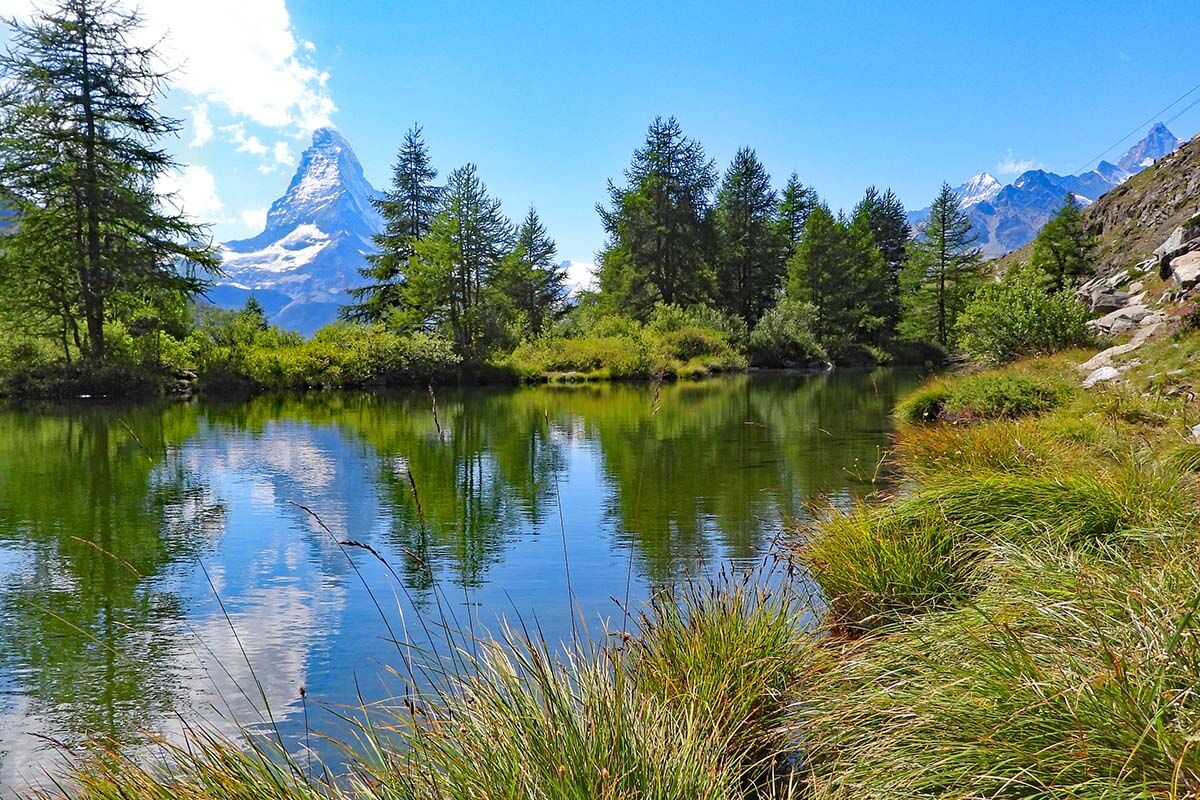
<point x="550" y="98"/>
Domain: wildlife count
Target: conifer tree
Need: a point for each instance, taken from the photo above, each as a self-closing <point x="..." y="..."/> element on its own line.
<point x="795" y="204"/>
<point x="658" y="226"/>
<point x="839" y="270"/>
<point x="452" y="281"/>
<point x="407" y="210"/>
<point x="942" y="273"/>
<point x="750" y="258"/>
<point x="533" y="282"/>
<point x="885" y="217"/>
<point x="1064" y="249"/>
<point x="79" y="156"/>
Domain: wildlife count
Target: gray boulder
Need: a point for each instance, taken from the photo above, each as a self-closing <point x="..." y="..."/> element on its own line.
<point x="1180" y="241"/>
<point x="1185" y="269"/>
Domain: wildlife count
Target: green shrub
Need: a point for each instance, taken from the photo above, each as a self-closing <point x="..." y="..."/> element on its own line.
<point x="987" y="395"/>
<point x="730" y="655"/>
<point x="875" y="569"/>
<point x="1017" y="317"/>
<point x="784" y="337"/>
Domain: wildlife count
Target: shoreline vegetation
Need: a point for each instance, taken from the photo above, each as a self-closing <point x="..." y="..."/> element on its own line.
<point x="1020" y="620"/>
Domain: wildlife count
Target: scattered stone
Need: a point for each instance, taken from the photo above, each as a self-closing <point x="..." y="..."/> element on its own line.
<point x="1122" y="320"/>
<point x="1103" y="301"/>
<point x="1101" y="375"/>
<point x="1117" y="279"/>
<point x="1144" y="266"/>
<point x="1105" y="357"/>
<point x="1195" y="431"/>
<point x="1137" y="287"/>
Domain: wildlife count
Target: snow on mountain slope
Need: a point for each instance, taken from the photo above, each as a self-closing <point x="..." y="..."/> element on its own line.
<point x="1005" y="218"/>
<point x="316" y="238"/>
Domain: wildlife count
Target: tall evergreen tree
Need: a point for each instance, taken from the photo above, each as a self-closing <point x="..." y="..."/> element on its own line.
<point x="750" y="258"/>
<point x="658" y="225"/>
<point x="452" y="281"/>
<point x="885" y="217"/>
<point x="78" y="152"/>
<point x="407" y="210"/>
<point x="533" y="282"/>
<point x="1064" y="249"/>
<point x="838" y="269"/>
<point x="943" y="271"/>
<point x="795" y="204"/>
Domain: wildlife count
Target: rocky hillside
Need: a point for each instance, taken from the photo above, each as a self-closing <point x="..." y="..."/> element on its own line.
<point x="1138" y="216"/>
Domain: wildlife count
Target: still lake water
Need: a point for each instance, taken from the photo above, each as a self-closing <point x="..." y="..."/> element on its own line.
<point x="156" y="561"/>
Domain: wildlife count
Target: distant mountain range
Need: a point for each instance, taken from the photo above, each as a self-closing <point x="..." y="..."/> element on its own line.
<point x="1006" y="217"/>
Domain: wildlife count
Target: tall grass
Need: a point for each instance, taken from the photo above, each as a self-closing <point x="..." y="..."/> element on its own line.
<point x="1074" y="677"/>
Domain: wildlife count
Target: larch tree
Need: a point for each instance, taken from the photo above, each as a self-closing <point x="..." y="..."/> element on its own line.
<point x="750" y="251"/>
<point x="453" y="276"/>
<point x="79" y="154"/>
<point x="942" y="273"/>
<point x="533" y="281"/>
<point x="659" y="231"/>
<point x="795" y="204"/>
<point x="884" y="215"/>
<point x="1064" y="249"/>
<point x="407" y="209"/>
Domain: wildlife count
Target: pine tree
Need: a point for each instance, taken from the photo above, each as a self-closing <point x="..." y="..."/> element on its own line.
<point x="533" y="281"/>
<point x="839" y="270"/>
<point x="795" y="204"/>
<point x="452" y="281"/>
<point x="943" y="271"/>
<point x="78" y="134"/>
<point x="750" y="259"/>
<point x="1064" y="249"/>
<point x="658" y="226"/>
<point x="888" y="223"/>
<point x="407" y="210"/>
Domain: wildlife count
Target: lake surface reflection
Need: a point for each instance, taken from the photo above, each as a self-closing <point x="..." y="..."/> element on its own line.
<point x="184" y="559"/>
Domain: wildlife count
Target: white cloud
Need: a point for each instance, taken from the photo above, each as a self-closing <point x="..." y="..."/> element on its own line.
<point x="245" y="144"/>
<point x="192" y="190"/>
<point x="243" y="55"/>
<point x="581" y="276"/>
<point x="1011" y="165"/>
<point x="202" y="129"/>
<point x="283" y="154"/>
<point x="254" y="219"/>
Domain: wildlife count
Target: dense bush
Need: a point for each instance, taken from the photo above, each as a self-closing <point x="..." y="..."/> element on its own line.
<point x="1018" y="317"/>
<point x="784" y="337"/>
<point x="673" y="342"/>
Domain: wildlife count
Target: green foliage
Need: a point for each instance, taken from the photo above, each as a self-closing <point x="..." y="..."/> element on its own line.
<point x="658" y="226"/>
<point x="874" y="570"/>
<point x="1064" y="249"/>
<point x="674" y="342"/>
<point x="79" y="159"/>
<point x="784" y="337"/>
<point x="795" y="204"/>
<point x="884" y="215"/>
<point x="839" y="270"/>
<point x="942" y="272"/>
<point x="1017" y="317"/>
<point x="988" y="395"/>
<point x="531" y="280"/>
<point x="751" y="256"/>
<point x="407" y="210"/>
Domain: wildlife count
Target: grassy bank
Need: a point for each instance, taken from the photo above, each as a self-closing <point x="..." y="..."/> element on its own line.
<point x="1021" y="620"/>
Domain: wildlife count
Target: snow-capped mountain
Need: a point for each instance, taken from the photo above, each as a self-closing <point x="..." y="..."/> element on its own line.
<point x="1008" y="217"/>
<point x="980" y="189"/>
<point x="316" y="238"/>
<point x="1158" y="143"/>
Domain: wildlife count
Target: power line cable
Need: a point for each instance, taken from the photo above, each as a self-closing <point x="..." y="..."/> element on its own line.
<point x="1153" y="117"/>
